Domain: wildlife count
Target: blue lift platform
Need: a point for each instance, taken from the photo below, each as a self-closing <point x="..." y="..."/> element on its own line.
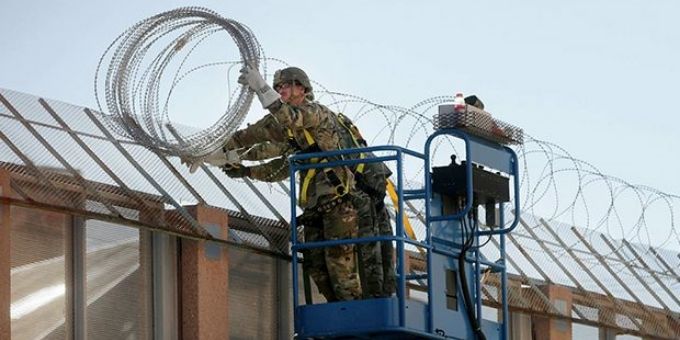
<point x="451" y="230"/>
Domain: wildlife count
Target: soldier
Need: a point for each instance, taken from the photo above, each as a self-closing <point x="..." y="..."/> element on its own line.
<point x="329" y="194"/>
<point x="266" y="139"/>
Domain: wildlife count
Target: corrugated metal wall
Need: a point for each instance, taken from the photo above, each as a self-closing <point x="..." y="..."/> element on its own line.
<point x="117" y="286"/>
<point x="253" y="295"/>
<point x="260" y="299"/>
<point x="38" y="274"/>
<point x="116" y="298"/>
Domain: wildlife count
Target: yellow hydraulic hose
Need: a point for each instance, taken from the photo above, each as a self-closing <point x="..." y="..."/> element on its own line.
<point x="407" y="224"/>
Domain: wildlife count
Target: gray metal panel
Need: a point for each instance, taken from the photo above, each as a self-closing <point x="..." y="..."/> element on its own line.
<point x="28" y="106"/>
<point x="76" y="156"/>
<point x="152" y="164"/>
<point x="120" y="165"/>
<point x="27" y="143"/>
<point x="73" y="116"/>
<point x="213" y="250"/>
<point x="490" y="156"/>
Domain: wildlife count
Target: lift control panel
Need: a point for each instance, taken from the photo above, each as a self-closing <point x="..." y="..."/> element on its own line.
<point x="487" y="187"/>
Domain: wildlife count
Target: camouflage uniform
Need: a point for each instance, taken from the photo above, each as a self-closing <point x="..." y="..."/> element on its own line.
<point x="373" y="181"/>
<point x="376" y="265"/>
<point x="325" y="193"/>
<point x="371" y="178"/>
<point x="264" y="130"/>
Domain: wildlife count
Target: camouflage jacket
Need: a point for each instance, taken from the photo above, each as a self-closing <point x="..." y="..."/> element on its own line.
<point x="370" y="178"/>
<point x="312" y="127"/>
<point x="266" y="129"/>
<point x="266" y="139"/>
<point x="274" y="170"/>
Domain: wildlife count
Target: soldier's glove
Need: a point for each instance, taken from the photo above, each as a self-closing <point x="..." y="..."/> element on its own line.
<point x="193" y="165"/>
<point x="236" y="170"/>
<point x="251" y="76"/>
<point x="217" y="158"/>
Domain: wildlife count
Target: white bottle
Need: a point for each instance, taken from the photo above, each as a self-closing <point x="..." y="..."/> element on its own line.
<point x="459" y="102"/>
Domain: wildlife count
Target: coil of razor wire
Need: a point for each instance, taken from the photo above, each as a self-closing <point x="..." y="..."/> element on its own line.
<point x="130" y="88"/>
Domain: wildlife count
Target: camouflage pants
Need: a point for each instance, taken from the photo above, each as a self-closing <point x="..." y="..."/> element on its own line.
<point x="333" y="269"/>
<point x="376" y="267"/>
<point x="382" y="221"/>
<point x="373" y="181"/>
<point x="370" y="258"/>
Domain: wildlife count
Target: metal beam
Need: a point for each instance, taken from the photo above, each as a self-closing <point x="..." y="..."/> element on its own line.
<point x="83" y="182"/>
<point x="653" y="274"/>
<point x="547" y="250"/>
<point x="556" y="261"/>
<point x="526" y="278"/>
<point x="35" y="171"/>
<point x="613" y="274"/>
<point x="242" y="210"/>
<point x="589" y="273"/>
<point x="182" y="211"/>
<point x="93" y="155"/>
<point x="635" y="274"/>
<point x="665" y="264"/>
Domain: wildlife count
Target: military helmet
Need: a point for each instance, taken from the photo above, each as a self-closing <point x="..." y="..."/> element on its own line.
<point x="290" y="75"/>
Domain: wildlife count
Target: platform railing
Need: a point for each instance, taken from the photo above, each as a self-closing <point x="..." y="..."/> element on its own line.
<point x="335" y="159"/>
<point x="296" y="164"/>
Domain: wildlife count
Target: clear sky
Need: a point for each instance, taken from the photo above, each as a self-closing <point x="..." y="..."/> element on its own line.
<point x="598" y="78"/>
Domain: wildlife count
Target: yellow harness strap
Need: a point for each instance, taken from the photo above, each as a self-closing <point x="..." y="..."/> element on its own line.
<point x="312" y="172"/>
<point x="305" y="185"/>
<point x="407" y="224"/>
<point x="352" y="133"/>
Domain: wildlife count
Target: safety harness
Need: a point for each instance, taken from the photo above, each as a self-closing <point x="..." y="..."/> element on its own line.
<point x="358" y="142"/>
<point x="357" y="139"/>
<point x="340" y="188"/>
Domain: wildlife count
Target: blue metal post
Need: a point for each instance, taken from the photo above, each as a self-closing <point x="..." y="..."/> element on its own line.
<point x="428" y="234"/>
<point x="504" y="276"/>
<point x="400" y="244"/>
<point x="293" y="241"/>
<point x="428" y="201"/>
<point x="478" y="274"/>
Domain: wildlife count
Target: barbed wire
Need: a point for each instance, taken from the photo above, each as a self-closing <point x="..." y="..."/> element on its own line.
<point x="554" y="184"/>
<point x="143" y="67"/>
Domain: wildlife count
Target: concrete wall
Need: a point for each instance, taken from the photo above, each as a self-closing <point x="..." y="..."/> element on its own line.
<point x="550" y="328"/>
<point x="204" y="279"/>
<point x="4" y="258"/>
